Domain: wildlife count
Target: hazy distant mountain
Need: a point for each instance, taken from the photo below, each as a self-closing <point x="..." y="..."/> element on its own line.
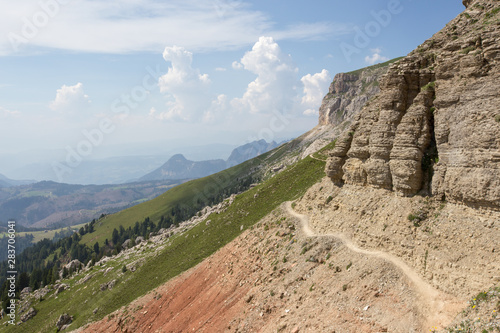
<point x="178" y="167"/>
<point x="6" y="182"/>
<point x="112" y="170"/>
<point x="49" y="204"/>
<point x="112" y="165"/>
<point x="248" y="151"/>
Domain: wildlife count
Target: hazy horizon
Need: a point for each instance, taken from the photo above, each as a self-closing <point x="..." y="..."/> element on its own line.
<point x="83" y="80"/>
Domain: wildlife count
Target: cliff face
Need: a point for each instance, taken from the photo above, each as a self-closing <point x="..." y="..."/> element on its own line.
<point x="435" y="126"/>
<point x="349" y="92"/>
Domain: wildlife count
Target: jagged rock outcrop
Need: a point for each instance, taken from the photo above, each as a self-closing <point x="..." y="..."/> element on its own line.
<point x="60" y="288"/>
<point x="108" y="285"/>
<point x="64" y="321"/>
<point x="435" y="125"/>
<point x="28" y="315"/>
<point x="126" y="244"/>
<point x="349" y="92"/>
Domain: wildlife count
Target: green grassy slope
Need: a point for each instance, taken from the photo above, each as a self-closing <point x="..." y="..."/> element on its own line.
<point x="185" y="194"/>
<point x="384" y="64"/>
<point x="185" y="251"/>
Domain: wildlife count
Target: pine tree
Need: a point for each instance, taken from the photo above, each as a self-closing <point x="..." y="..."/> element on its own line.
<point x="65" y="273"/>
<point x="115" y="236"/>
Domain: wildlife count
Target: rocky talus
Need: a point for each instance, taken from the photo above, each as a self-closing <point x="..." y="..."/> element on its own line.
<point x="435" y="126"/>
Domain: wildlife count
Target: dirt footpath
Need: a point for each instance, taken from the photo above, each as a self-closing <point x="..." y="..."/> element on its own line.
<point x="278" y="278"/>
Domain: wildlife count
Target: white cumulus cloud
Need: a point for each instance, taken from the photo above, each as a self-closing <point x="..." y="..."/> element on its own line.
<point x="237" y="65"/>
<point x="376" y="57"/>
<point x="70" y="99"/>
<point x="9" y="114"/>
<point x="315" y="88"/>
<point x="217" y="109"/>
<point x="274" y="89"/>
<point x="186" y="88"/>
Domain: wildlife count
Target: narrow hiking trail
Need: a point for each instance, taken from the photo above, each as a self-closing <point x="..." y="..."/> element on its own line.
<point x="436" y="308"/>
<point x="316" y="158"/>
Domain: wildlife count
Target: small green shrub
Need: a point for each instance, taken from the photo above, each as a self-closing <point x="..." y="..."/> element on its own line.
<point x="492" y="13"/>
<point x="482" y="296"/>
<point x="417" y="218"/>
<point x="348" y="266"/>
<point x="329" y="199"/>
<point x="497" y="118"/>
<point x="429" y="86"/>
<point x="468" y="49"/>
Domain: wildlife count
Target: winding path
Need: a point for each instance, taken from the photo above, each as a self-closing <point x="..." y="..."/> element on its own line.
<point x="437" y="308"/>
<point x="316" y="158"/>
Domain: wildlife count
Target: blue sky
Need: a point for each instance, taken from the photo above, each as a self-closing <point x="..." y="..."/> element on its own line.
<point x="163" y="72"/>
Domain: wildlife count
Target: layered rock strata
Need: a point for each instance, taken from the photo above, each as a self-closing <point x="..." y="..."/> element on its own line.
<point x="435" y="125"/>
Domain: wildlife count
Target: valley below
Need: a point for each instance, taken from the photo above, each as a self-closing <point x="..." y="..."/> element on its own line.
<point x="385" y="217"/>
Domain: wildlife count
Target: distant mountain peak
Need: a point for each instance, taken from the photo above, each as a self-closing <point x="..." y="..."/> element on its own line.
<point x="178" y="157"/>
<point x="179" y="167"/>
<point x="249" y="150"/>
<point x="7" y="182"/>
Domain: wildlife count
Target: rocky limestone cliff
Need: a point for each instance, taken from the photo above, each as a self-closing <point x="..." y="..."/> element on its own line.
<point x="435" y="126"/>
<point x="349" y="92"/>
